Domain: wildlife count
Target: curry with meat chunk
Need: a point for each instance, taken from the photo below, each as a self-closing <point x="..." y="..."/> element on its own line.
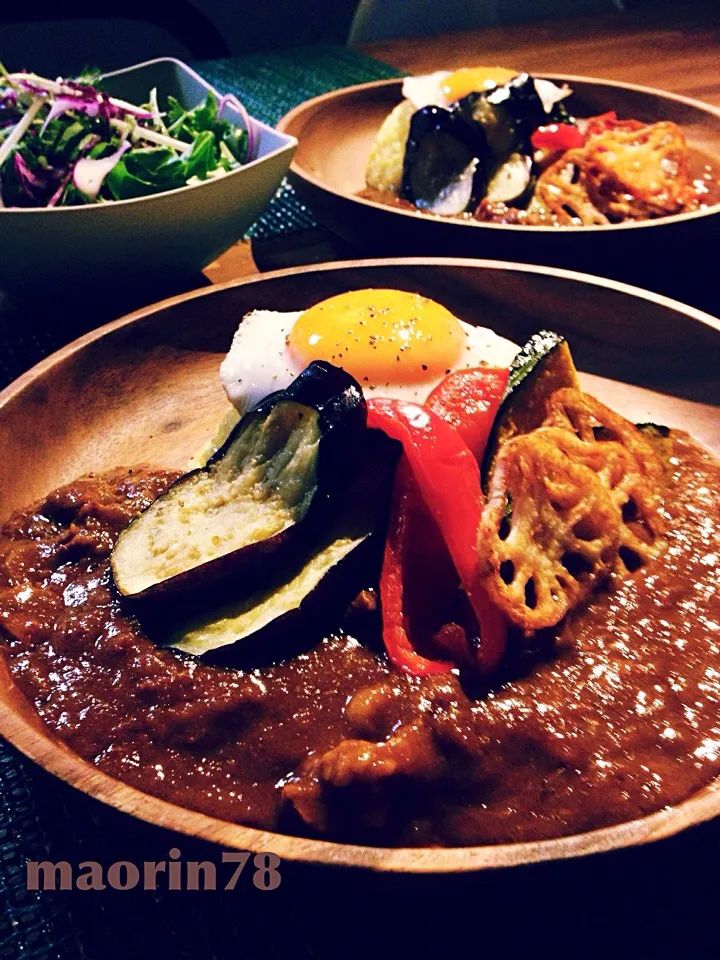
<point x="612" y="715"/>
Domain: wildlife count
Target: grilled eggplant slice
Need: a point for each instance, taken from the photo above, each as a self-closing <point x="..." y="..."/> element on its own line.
<point x="478" y="147"/>
<point x="512" y="182"/>
<point x="312" y="589"/>
<point x="507" y="115"/>
<point x="267" y="614"/>
<point x="262" y="491"/>
<point x="440" y="169"/>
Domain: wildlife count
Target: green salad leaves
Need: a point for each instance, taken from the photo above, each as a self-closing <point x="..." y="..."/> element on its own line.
<point x="67" y="142"/>
<point x="154" y="169"/>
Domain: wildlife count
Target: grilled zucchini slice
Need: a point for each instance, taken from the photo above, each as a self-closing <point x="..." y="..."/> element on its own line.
<point x="542" y="366"/>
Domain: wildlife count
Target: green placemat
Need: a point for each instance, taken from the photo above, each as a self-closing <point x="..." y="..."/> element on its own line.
<point x="271" y="84"/>
<point x="40" y="818"/>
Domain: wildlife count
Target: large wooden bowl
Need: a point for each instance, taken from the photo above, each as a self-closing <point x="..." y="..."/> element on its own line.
<point x="335" y="132"/>
<point x="146" y="389"/>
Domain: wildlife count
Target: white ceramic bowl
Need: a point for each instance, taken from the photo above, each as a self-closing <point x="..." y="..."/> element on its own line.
<point x="169" y="234"/>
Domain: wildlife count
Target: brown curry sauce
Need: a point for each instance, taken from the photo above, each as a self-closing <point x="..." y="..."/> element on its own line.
<point x="704" y="171"/>
<point x="619" y="717"/>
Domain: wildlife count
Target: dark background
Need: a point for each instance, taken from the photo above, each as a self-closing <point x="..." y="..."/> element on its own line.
<point x="661" y="900"/>
<point x="51" y="37"/>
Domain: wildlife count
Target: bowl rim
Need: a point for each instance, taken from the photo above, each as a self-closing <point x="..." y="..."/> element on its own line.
<point x="289" y="144"/>
<point x="58" y="759"/>
<point x="301" y="173"/>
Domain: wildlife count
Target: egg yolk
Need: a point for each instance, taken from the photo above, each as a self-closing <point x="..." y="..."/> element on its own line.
<point x="468" y="79"/>
<point x="379" y="336"/>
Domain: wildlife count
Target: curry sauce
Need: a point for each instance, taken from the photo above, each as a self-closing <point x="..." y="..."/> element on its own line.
<point x="614" y="716"/>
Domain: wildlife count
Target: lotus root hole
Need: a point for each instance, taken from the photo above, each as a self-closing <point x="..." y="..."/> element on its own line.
<point x="586" y="529"/>
<point x="629" y="511"/>
<point x="507" y="571"/>
<point x="575" y="564"/>
<point x="631" y="559"/>
<point x="530" y="594"/>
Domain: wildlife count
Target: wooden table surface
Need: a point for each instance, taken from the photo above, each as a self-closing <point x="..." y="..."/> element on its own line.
<point x="675" y="48"/>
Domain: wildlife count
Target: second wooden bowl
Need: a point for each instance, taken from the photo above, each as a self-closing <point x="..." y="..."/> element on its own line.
<point x="673" y="254"/>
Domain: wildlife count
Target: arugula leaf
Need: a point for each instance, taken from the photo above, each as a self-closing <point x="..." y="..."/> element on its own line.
<point x="144" y="172"/>
<point x="202" y="158"/>
<point x="73" y="198"/>
<point x="70" y="137"/>
<point x="152" y="162"/>
<point x="237" y="143"/>
<point x="123" y="185"/>
<point x="187" y="124"/>
<point x="175" y="111"/>
<point x="89" y="75"/>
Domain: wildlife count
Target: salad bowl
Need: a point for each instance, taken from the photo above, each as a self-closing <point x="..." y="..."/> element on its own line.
<point x="162" y="236"/>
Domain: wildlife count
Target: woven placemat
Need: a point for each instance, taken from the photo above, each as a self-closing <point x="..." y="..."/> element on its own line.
<point x="269" y="86"/>
<point x="41" y="818"/>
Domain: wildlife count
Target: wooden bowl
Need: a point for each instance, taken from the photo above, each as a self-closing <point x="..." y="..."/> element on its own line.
<point x="335" y="132"/>
<point x="146" y="389"/>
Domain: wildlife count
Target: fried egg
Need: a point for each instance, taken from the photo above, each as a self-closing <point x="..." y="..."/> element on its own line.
<point x="396" y="344"/>
<point x="442" y="88"/>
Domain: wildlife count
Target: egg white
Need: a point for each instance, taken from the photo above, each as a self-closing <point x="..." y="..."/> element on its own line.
<point x="427" y="91"/>
<point x="259" y="361"/>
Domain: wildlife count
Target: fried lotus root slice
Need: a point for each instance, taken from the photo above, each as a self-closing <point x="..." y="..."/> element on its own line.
<point x="591" y="420"/>
<point x="631" y="171"/>
<point x="561" y="192"/>
<point x="639" y="494"/>
<point x="636" y="498"/>
<point x="549" y="533"/>
<point x="638" y="173"/>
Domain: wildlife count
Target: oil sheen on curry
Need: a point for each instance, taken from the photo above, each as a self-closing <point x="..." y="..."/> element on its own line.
<point x="444" y="599"/>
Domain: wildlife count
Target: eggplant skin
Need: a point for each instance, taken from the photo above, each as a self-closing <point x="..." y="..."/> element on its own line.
<point x="440" y="148"/>
<point x="267" y="488"/>
<point x="478" y="133"/>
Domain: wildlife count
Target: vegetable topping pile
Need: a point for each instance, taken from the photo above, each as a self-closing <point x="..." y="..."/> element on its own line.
<point x="474" y="508"/>
<point x="503" y="147"/>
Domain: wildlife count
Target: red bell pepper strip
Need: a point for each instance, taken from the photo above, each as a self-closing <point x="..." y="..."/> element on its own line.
<point x="448" y="479"/>
<point x="607" y="121"/>
<point x="393" y="604"/>
<point x="468" y="401"/>
<point x="557" y="136"/>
